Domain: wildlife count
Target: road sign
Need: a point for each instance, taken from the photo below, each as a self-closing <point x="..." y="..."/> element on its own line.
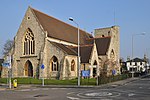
<point x="42" y="66"/>
<point x="113" y="72"/>
<point x="86" y="73"/>
<point x="6" y="64"/>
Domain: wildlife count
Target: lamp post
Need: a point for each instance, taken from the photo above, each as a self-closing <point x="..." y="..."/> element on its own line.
<point x="71" y="19"/>
<point x="133" y="48"/>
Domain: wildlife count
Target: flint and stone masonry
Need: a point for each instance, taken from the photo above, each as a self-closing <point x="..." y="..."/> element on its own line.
<point x="42" y="39"/>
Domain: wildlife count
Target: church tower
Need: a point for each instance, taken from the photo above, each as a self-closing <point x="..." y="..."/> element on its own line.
<point x="112" y="32"/>
<point x="114" y="47"/>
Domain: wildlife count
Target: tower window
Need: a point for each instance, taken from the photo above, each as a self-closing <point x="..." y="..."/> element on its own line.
<point x="108" y="33"/>
<point x="28" y="17"/>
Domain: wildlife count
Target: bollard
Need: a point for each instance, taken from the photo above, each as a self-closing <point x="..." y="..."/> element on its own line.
<point x="15" y="83"/>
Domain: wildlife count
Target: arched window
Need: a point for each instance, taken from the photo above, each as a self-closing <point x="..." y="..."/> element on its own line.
<point x="54" y="64"/>
<point x="72" y="65"/>
<point x="95" y="68"/>
<point x="112" y="55"/>
<point x="29" y="43"/>
<point x="100" y="61"/>
<point x="108" y="33"/>
<point x="95" y="62"/>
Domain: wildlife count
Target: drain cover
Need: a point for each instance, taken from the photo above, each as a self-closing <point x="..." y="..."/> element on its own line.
<point x="40" y="95"/>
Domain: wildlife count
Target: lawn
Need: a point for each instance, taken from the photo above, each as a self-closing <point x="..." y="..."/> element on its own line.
<point x="87" y="81"/>
<point x="91" y="81"/>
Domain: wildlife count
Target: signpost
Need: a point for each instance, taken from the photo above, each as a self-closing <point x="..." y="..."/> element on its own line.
<point x="7" y="63"/>
<point x="42" y="67"/>
<point x="86" y="73"/>
<point x="113" y="73"/>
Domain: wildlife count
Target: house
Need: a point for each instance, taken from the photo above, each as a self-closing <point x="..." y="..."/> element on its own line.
<point x="44" y="40"/>
<point x="123" y="67"/>
<point x="137" y="65"/>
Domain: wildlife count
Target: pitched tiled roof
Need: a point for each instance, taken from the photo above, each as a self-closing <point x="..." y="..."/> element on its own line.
<point x="137" y="60"/>
<point x="102" y="45"/>
<point x="63" y="31"/>
<point x="60" y="30"/>
<point x="85" y="53"/>
<point x="65" y="48"/>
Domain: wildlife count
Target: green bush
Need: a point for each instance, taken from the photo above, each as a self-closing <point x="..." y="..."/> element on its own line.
<point x="104" y="80"/>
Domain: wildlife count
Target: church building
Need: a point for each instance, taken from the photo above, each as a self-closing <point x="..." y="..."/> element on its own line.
<point x="45" y="40"/>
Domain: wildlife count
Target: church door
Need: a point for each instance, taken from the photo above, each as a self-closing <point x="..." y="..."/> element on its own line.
<point x="28" y="69"/>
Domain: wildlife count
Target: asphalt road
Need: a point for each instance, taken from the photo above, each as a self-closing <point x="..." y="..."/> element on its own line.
<point x="135" y="90"/>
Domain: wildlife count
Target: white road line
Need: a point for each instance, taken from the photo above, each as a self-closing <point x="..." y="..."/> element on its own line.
<point x="57" y="88"/>
<point x="33" y="89"/>
<point x="45" y="89"/>
<point x="131" y="94"/>
<point x="24" y="90"/>
<point x="70" y="93"/>
<point x="72" y="98"/>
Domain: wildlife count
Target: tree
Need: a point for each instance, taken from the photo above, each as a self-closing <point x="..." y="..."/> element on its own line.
<point x="7" y="46"/>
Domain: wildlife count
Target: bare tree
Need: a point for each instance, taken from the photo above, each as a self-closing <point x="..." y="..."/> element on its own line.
<point x="7" y="46"/>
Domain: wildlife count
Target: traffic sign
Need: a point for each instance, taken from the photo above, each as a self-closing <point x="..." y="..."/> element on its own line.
<point x="113" y="72"/>
<point x="42" y="66"/>
<point x="86" y="73"/>
<point x="6" y="64"/>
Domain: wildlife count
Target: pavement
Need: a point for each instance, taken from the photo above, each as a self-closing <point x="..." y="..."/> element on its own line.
<point x="3" y="87"/>
<point x="22" y="86"/>
<point x="123" y="82"/>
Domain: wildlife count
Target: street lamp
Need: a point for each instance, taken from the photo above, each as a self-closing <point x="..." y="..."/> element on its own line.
<point x="78" y="62"/>
<point x="132" y="49"/>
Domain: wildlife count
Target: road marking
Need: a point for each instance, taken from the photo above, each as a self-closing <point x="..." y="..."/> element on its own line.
<point x="114" y="85"/>
<point x="99" y="94"/>
<point x="57" y="88"/>
<point x="45" y="89"/>
<point x="131" y="94"/>
<point x="72" y="98"/>
<point x="70" y="93"/>
<point x="24" y="90"/>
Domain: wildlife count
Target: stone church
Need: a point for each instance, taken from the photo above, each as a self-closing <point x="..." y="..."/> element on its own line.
<point x="42" y="39"/>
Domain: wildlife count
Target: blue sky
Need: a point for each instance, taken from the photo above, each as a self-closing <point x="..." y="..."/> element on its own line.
<point x="133" y="17"/>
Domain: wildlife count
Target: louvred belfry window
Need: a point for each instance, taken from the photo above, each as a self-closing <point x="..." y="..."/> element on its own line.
<point x="29" y="43"/>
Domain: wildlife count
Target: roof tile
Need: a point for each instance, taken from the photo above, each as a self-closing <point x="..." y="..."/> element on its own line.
<point x="60" y="30"/>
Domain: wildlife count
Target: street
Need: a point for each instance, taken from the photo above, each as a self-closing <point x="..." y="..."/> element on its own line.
<point x="135" y="90"/>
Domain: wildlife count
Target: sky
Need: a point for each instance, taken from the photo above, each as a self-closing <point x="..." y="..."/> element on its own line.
<point x="132" y="16"/>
